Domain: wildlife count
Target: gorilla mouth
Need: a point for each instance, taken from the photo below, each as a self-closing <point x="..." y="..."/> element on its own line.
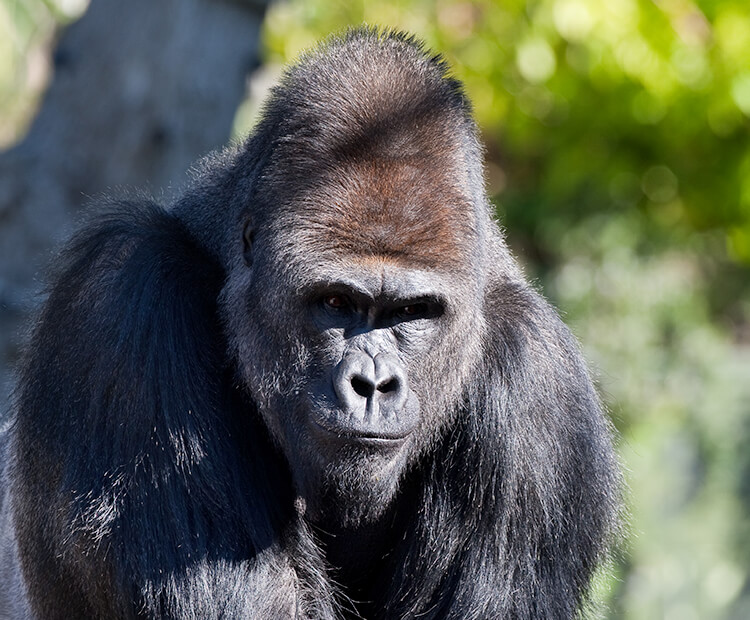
<point x="359" y="434"/>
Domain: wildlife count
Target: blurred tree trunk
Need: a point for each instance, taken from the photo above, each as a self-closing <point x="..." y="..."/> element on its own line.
<point x="140" y="90"/>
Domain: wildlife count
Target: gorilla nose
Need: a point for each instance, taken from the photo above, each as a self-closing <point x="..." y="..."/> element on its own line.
<point x="370" y="386"/>
<point x="366" y="387"/>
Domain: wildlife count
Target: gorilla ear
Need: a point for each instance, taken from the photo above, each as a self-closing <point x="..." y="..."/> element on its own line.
<point x="248" y="235"/>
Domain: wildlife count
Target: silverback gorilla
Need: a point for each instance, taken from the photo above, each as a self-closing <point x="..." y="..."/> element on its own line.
<point x="315" y="386"/>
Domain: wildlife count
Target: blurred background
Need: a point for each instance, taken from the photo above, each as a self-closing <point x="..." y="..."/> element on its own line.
<point x="617" y="141"/>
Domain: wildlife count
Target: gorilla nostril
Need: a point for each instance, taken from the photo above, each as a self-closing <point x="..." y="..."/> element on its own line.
<point x="362" y="387"/>
<point x="388" y="386"/>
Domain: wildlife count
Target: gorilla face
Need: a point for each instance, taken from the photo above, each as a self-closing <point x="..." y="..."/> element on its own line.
<point x="377" y="322"/>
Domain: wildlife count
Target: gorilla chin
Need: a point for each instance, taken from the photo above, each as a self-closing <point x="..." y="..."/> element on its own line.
<point x="356" y="463"/>
<point x="357" y="487"/>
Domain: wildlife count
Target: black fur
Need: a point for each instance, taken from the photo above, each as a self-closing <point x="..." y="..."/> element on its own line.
<point x="159" y="463"/>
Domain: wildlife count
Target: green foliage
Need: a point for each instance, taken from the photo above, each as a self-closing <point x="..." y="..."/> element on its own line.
<point x="618" y="154"/>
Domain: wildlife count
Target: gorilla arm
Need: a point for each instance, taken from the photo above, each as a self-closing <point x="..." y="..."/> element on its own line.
<point x="139" y="483"/>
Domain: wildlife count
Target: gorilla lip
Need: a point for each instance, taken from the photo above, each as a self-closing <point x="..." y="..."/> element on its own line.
<point x="363" y="437"/>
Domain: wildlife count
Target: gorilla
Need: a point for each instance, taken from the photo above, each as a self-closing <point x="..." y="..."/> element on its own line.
<point x="317" y="385"/>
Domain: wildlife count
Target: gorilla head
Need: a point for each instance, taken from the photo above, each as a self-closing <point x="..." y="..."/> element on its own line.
<point x="367" y="215"/>
<point x="316" y="386"/>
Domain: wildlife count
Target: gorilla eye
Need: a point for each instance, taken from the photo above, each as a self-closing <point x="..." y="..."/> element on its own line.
<point x="336" y="302"/>
<point x="413" y="310"/>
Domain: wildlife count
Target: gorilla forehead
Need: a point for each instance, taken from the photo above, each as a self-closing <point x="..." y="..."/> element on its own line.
<point x="411" y="213"/>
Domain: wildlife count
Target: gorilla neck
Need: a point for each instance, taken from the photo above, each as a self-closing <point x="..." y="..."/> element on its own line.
<point x="358" y="553"/>
<point x="354" y="515"/>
